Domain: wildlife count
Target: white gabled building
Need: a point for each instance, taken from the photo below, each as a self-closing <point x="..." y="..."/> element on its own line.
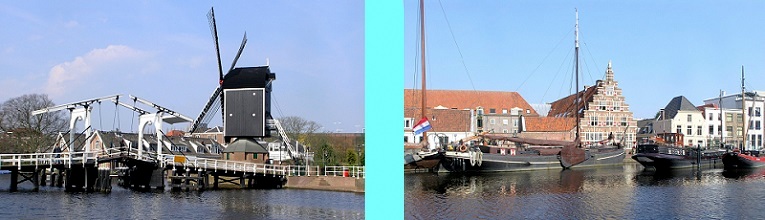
<point x="681" y="116"/>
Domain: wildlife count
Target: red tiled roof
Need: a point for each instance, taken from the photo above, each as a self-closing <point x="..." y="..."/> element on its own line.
<point x="175" y="133"/>
<point x="540" y="124"/>
<point x="702" y="107"/>
<point x="446" y="120"/>
<point x="466" y="99"/>
<point x="565" y="107"/>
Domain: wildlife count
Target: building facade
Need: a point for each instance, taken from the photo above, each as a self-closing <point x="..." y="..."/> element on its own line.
<point x="604" y="112"/>
<point x="458" y="114"/>
<point x="680" y="116"/>
<point x="753" y="105"/>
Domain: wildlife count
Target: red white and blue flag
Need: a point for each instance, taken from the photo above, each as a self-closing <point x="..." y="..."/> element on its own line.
<point x="422" y="126"/>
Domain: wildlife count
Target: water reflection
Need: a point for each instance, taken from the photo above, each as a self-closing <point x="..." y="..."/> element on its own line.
<point x="615" y="192"/>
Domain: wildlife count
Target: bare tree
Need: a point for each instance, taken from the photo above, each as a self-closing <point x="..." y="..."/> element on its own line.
<point x="25" y="132"/>
<point x="298" y="128"/>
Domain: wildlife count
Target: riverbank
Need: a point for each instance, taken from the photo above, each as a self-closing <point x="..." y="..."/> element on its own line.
<point x="327" y="183"/>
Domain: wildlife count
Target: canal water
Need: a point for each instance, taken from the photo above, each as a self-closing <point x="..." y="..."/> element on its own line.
<point x="54" y="203"/>
<point x="616" y="192"/>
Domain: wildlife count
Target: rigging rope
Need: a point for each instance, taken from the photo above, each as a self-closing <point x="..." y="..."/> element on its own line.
<point x="454" y="39"/>
<point x="543" y="60"/>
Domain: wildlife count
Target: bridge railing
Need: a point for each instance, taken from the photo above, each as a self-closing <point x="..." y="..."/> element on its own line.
<point x="346" y="171"/>
<point x="300" y="170"/>
<point x="184" y="162"/>
<point x="129" y="152"/>
<point x="45" y="159"/>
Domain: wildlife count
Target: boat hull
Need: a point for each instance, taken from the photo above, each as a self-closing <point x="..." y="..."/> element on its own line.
<point x="659" y="161"/>
<point x="736" y="160"/>
<point x="459" y="162"/>
<point x="428" y="162"/>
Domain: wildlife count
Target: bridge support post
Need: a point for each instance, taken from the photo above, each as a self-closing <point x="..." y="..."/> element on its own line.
<point x="14" y="179"/>
<point x="43" y="177"/>
<point x="241" y="181"/>
<point x="35" y="178"/>
<point x="60" y="179"/>
<point x="215" y="181"/>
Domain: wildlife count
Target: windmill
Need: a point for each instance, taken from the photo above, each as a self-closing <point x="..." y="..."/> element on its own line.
<point x="216" y="99"/>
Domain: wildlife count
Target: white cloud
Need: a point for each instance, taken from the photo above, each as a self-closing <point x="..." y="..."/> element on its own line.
<point x="103" y="61"/>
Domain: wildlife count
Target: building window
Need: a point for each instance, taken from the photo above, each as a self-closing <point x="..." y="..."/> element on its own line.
<point x="624" y="121"/>
<point x="711" y="117"/>
<point x="505" y="122"/>
<point x="698" y="130"/>
<point x="593" y="120"/>
<point x="492" y="111"/>
<point x="749" y="113"/>
<point x="711" y="129"/>
<point x="407" y="123"/>
<point x="504" y="111"/>
<point x="609" y="90"/>
<point x="757" y="125"/>
<point x="690" y="118"/>
<point x="759" y="140"/>
<point x="690" y="130"/>
<point x="609" y="120"/>
<point x="617" y="105"/>
<point x="491" y="121"/>
<point x="757" y="111"/>
<point x="739" y="131"/>
<point x="602" y="104"/>
<point x="515" y="122"/>
<point x="504" y="131"/>
<point x="228" y="156"/>
<point x="528" y="111"/>
<point x="679" y="129"/>
<point x="729" y="129"/>
<point x="728" y="117"/>
<point x="406" y="139"/>
<point x="740" y="118"/>
<point x="254" y="156"/>
<point x="443" y="140"/>
<point x="480" y="111"/>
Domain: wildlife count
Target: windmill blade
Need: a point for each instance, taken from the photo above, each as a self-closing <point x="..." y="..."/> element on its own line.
<point x="210" y="108"/>
<point x="214" y="32"/>
<point x="239" y="53"/>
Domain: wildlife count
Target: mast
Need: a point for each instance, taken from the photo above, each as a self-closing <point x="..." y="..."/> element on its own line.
<point x="719" y="105"/>
<point x="422" y="63"/>
<point x="576" y="55"/>
<point x="743" y="108"/>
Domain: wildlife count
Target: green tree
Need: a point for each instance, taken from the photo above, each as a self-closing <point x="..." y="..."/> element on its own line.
<point x="325" y="155"/>
<point x="351" y="157"/>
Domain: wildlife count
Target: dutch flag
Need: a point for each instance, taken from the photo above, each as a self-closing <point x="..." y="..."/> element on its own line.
<point x="422" y="126"/>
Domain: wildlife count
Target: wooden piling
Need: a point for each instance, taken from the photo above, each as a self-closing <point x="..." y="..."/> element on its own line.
<point x="14" y="179"/>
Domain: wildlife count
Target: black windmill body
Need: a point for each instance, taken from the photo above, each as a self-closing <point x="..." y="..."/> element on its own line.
<point x="243" y="96"/>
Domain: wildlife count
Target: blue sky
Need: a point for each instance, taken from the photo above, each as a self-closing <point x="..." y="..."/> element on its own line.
<point x="163" y="51"/>
<point x="659" y="49"/>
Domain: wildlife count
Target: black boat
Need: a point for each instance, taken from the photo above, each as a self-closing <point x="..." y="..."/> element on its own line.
<point x="665" y="157"/>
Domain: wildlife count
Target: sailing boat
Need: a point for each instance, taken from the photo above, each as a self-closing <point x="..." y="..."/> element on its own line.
<point x="423" y="157"/>
<point x="564" y="154"/>
<point x="742" y="158"/>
